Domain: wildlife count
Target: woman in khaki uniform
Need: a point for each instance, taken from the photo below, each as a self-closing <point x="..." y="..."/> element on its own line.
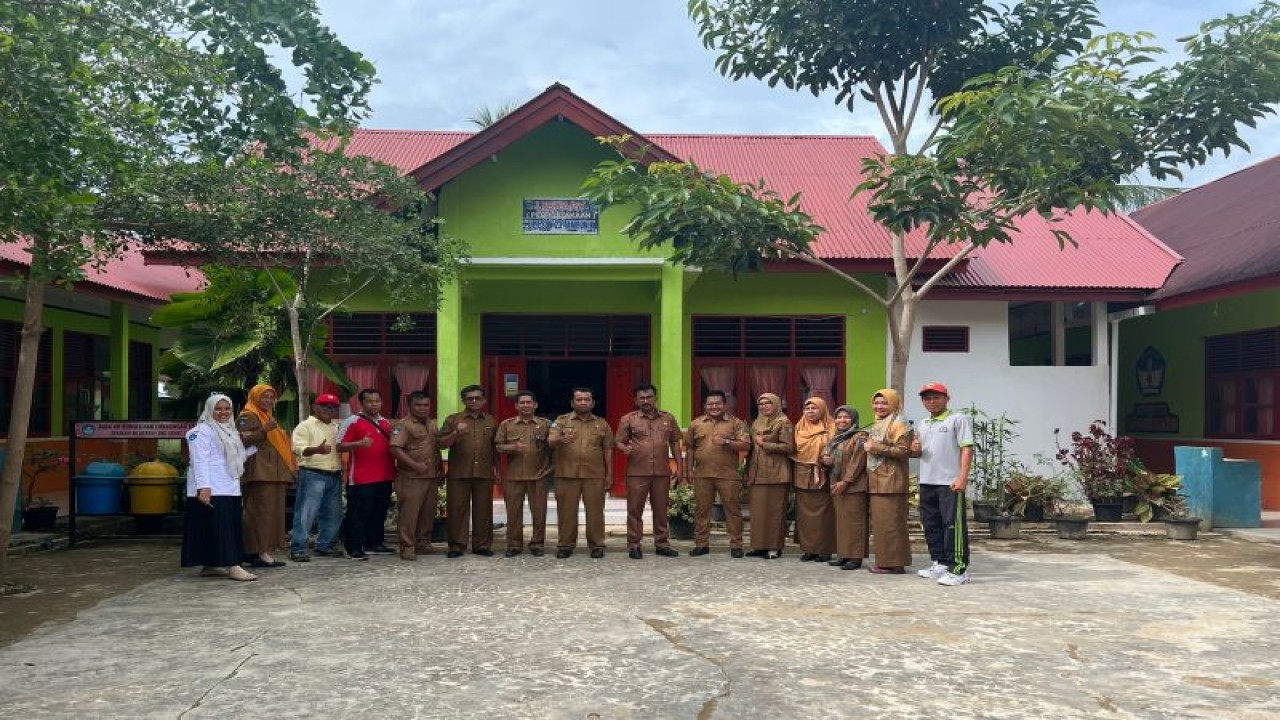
<point x="815" y="515"/>
<point x="267" y="474"/>
<point x="768" y="476"/>
<point x="846" y="458"/>
<point x="888" y="449"/>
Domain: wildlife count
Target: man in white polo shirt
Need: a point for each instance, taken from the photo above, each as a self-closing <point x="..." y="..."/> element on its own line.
<point x="944" y="444"/>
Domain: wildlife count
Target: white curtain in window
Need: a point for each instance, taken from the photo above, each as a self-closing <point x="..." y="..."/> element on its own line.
<point x="722" y="378"/>
<point x="768" y="379"/>
<point x="821" y="380"/>
<point x="410" y="378"/>
<point x="364" y="376"/>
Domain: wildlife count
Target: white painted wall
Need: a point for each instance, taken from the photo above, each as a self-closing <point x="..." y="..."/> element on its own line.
<point x="1040" y="398"/>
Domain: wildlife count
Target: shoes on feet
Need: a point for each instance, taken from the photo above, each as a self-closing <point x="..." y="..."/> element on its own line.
<point x="837" y="561"/>
<point x="258" y="562"/>
<point x="563" y="553"/>
<point x="537" y="552"/>
<point x="667" y="551"/>
<point x="735" y="552"/>
<point x="773" y="555"/>
<point x="380" y="550"/>
<point x="757" y="553"/>
<point x="824" y="557"/>
<point x="950" y="579"/>
<point x="597" y="553"/>
<point x="934" y="571"/>
<point x="483" y="552"/>
<point x="887" y="570"/>
<point x="358" y="555"/>
<point x="511" y="552"/>
<point x="404" y="555"/>
<point x="850" y="564"/>
<point x="701" y="550"/>
<point x="454" y="554"/>
<point x="299" y="557"/>
<point x="328" y="552"/>
<point x="808" y="557"/>
<point x="235" y="572"/>
<point x="635" y="554"/>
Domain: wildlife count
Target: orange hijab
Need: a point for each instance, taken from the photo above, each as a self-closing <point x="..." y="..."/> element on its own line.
<point x="811" y="437"/>
<point x="277" y="436"/>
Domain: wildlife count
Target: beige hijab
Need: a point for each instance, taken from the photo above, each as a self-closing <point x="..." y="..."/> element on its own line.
<point x="768" y="423"/>
<point x="889" y="429"/>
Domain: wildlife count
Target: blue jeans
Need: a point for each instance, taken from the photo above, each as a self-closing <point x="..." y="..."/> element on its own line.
<point x="319" y="494"/>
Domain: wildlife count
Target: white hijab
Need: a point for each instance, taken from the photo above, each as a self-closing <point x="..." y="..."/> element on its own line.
<point x="226" y="434"/>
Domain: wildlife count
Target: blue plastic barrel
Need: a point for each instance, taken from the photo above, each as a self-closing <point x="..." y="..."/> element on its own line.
<point x="98" y="489"/>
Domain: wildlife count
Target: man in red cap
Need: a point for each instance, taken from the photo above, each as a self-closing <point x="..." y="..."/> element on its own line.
<point x="944" y="443"/>
<point x="319" y="490"/>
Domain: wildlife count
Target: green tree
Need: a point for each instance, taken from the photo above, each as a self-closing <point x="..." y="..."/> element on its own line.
<point x="96" y="95"/>
<point x="324" y="227"/>
<point x="993" y="112"/>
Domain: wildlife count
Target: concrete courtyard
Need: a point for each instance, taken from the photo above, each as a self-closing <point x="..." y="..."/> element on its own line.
<point x="1044" y="630"/>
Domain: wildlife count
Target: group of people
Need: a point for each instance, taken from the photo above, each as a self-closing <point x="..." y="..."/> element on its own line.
<point x="850" y="484"/>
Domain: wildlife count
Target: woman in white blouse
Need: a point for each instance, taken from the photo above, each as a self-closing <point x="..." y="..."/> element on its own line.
<point x="211" y="533"/>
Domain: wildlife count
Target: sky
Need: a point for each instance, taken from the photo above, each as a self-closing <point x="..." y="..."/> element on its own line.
<point x="440" y="61"/>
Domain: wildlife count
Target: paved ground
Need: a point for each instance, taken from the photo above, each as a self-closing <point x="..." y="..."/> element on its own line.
<point x="1116" y="628"/>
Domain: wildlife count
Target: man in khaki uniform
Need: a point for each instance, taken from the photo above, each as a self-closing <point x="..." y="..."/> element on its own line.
<point x="650" y="438"/>
<point x="583" y="445"/>
<point x="712" y="443"/>
<point x="523" y="439"/>
<point x="472" y="471"/>
<point x="417" y="453"/>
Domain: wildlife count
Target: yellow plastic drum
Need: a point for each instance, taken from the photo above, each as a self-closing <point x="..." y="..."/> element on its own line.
<point x="151" y="488"/>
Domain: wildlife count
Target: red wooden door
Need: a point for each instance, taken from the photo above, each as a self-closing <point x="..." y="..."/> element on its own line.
<point x="622" y="376"/>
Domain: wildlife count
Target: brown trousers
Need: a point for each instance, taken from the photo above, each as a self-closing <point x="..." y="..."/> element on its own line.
<point x="768" y="516"/>
<point x="652" y="489"/>
<point x="264" y="529"/>
<point x="513" y="493"/>
<point x="470" y="506"/>
<point x="705" y="491"/>
<point x="816" y="521"/>
<point x="590" y="492"/>
<point x="892" y="543"/>
<point x="851" y="525"/>
<point x="416" y="513"/>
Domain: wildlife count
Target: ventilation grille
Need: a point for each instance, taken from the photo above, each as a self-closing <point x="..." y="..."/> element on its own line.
<point x="768" y="337"/>
<point x="1243" y="352"/>
<point x="945" y="338"/>
<point x="375" y="334"/>
<point x="562" y="336"/>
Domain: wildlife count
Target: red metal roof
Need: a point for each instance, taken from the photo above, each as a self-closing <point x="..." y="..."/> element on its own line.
<point x="125" y="278"/>
<point x="1112" y="252"/>
<point x="1228" y="230"/>
<point x="405" y="150"/>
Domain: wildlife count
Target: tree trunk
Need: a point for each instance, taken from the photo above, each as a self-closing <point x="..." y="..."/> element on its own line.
<point x="299" y="357"/>
<point x="902" y="326"/>
<point x="20" y="413"/>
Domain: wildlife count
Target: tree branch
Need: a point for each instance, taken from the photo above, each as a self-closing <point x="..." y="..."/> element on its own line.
<point x="819" y="262"/>
<point x="946" y="269"/>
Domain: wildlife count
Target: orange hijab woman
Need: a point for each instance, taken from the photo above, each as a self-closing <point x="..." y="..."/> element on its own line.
<point x="267" y="475"/>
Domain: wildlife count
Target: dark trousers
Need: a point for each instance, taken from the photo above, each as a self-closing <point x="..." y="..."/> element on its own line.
<point x="942" y="512"/>
<point x="367" y="506"/>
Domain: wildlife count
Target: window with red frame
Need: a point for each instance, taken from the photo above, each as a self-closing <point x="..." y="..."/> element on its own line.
<point x="1242" y="373"/>
<point x="791" y="356"/>
<point x="380" y="340"/>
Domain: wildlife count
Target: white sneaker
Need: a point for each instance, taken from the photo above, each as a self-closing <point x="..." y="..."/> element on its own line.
<point x="934" y="571"/>
<point x="952" y="580"/>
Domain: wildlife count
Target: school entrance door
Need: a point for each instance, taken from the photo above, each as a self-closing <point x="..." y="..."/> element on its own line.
<point x="552" y="354"/>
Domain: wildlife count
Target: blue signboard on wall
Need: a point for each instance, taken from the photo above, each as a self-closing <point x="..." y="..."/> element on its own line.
<point x="560" y="216"/>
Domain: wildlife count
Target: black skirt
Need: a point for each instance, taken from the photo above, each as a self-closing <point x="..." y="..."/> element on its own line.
<point x="211" y="535"/>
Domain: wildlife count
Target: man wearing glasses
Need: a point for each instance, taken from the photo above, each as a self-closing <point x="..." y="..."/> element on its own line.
<point x="472" y="470"/>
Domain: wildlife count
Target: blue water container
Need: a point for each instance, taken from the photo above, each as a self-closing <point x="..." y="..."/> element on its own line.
<point x="98" y="489"/>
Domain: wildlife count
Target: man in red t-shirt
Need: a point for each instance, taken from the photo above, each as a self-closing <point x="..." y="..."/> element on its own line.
<point x="371" y="469"/>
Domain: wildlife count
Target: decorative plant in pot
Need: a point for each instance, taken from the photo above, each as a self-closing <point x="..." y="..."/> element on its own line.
<point x="440" y="528"/>
<point x="1178" y="522"/>
<point x="1155" y="493"/>
<point x="39" y="513"/>
<point x="1028" y="495"/>
<point x="1100" y="462"/>
<point x="681" y="509"/>
<point x="992" y="461"/>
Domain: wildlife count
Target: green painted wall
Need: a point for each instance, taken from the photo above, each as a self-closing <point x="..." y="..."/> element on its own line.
<point x="1179" y="336"/>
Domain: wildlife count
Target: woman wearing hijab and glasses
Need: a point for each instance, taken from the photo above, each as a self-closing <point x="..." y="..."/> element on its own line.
<point x="211" y="529"/>
<point x="266" y="477"/>
<point x="815" y="515"/>
<point x="888" y="449"/>
<point x="768" y="476"/>
<point x="846" y="459"/>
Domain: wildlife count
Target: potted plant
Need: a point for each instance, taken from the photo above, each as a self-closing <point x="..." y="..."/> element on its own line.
<point x="1153" y="492"/>
<point x="440" y="528"/>
<point x="681" y="509"/>
<point x="1178" y="523"/>
<point x="992" y="463"/>
<point x="1100" y="462"/>
<point x="1027" y="495"/>
<point x="1072" y="521"/>
<point x="39" y="513"/>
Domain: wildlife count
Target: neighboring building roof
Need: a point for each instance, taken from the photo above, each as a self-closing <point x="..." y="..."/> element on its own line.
<point x="126" y="278"/>
<point x="824" y="170"/>
<point x="1228" y="230"/>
